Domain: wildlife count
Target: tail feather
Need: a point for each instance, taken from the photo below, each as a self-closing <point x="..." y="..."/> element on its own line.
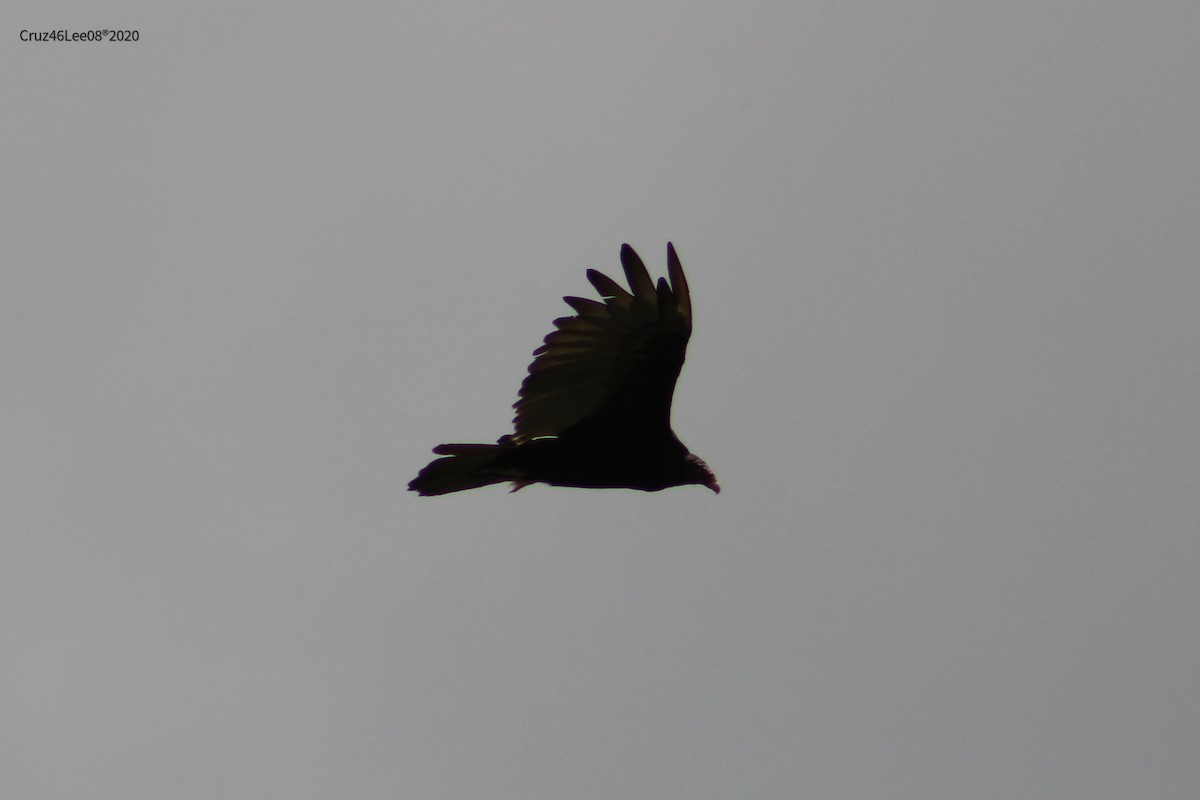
<point x="465" y="466"/>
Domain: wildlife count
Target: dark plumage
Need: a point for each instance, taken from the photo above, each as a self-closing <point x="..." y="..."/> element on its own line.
<point x="595" y="409"/>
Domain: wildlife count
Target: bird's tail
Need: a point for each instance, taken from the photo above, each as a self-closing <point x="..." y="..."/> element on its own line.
<point x="465" y="466"/>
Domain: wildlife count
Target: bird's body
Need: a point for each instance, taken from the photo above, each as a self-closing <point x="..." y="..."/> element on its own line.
<point x="594" y="411"/>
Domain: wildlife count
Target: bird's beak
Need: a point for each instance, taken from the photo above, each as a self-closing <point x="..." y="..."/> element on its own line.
<point x="716" y="487"/>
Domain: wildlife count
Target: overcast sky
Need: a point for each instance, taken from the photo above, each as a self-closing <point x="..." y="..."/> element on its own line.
<point x="944" y="263"/>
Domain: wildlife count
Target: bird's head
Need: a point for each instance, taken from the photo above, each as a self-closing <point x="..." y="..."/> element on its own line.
<point x="697" y="471"/>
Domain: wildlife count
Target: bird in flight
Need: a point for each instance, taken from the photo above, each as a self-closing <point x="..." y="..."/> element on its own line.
<point x="595" y="410"/>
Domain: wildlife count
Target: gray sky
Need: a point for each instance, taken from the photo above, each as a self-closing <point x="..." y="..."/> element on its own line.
<point x="944" y="262"/>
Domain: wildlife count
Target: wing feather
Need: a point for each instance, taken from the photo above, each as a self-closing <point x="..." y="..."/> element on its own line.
<point x="609" y="289"/>
<point x="636" y="272"/>
<point x="614" y="364"/>
<point x="683" y="297"/>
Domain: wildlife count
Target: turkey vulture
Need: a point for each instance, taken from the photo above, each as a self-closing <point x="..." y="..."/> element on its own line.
<point x="595" y="410"/>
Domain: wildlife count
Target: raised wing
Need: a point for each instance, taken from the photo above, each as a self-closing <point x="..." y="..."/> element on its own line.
<point x="612" y="367"/>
